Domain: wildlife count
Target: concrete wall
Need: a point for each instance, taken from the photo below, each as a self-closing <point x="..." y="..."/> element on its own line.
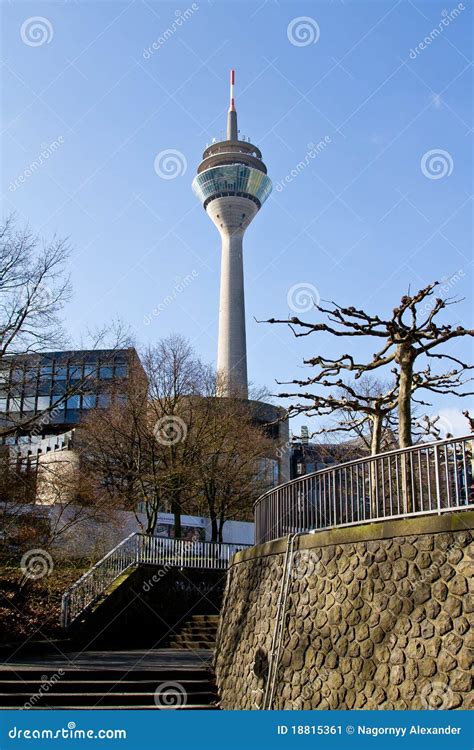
<point x="377" y="617"/>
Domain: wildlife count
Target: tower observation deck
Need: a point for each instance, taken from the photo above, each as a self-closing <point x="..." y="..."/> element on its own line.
<point x="232" y="185"/>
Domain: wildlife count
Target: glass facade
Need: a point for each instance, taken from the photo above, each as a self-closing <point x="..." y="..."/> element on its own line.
<point x="232" y="179"/>
<point x="71" y="382"/>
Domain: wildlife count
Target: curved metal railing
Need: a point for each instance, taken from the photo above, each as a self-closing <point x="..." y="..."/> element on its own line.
<point x="423" y="479"/>
<point x="141" y="549"/>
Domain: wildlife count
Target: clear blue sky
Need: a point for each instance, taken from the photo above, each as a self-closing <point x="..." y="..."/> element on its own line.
<point x="360" y="223"/>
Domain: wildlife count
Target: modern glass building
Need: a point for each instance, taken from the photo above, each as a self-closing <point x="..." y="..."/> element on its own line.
<point x="59" y="388"/>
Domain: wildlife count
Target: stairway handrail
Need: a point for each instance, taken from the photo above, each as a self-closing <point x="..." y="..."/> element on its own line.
<point x="100" y="562"/>
<point x="136" y="557"/>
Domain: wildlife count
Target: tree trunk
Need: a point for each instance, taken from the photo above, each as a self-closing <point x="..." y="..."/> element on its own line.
<point x="214" y="526"/>
<point x="375" y="446"/>
<point x="405" y="360"/>
<point x="376" y="437"/>
<point x="176" y="511"/>
<point x="221" y="528"/>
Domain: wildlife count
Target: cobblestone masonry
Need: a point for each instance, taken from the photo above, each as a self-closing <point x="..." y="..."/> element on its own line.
<point x="374" y="623"/>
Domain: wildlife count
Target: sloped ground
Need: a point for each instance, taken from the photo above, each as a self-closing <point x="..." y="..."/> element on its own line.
<point x="32" y="612"/>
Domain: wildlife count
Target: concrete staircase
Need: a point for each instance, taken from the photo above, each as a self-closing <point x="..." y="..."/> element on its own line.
<point x="164" y="688"/>
<point x="199" y="632"/>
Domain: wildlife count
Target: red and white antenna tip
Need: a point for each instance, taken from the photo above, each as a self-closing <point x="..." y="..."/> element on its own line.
<point x="232" y="82"/>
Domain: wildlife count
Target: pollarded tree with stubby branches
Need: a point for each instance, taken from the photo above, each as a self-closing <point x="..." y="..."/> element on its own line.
<point x="411" y="334"/>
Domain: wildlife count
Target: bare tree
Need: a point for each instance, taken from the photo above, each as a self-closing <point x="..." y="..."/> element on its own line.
<point x="232" y="459"/>
<point x="141" y="446"/>
<point x="410" y="333"/>
<point x="33" y="290"/>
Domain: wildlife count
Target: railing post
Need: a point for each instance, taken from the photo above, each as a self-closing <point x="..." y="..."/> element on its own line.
<point x="437" y="480"/>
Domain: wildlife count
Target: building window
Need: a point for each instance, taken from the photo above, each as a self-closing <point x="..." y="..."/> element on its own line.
<point x="60" y="373"/>
<point x="75" y="373"/>
<point x="103" y="400"/>
<point x="29" y="403"/>
<point x="3" y="404"/>
<point x="106" y="372"/>
<point x="14" y="405"/>
<point x="121" y="371"/>
<point x="43" y="403"/>
<point x="73" y="402"/>
<point x="88" y="401"/>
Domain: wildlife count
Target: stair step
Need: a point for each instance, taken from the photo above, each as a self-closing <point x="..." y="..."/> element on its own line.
<point x="92" y="699"/>
<point x="195" y="707"/>
<point x="103" y="686"/>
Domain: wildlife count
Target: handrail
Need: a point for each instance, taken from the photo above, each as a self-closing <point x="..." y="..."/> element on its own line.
<point x="425" y="478"/>
<point x="100" y="562"/>
<point x="141" y="549"/>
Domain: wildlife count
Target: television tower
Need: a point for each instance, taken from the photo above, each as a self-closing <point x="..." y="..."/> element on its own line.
<point x="232" y="185"/>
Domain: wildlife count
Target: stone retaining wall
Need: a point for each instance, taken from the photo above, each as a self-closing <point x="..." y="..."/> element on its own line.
<point x="377" y="617"/>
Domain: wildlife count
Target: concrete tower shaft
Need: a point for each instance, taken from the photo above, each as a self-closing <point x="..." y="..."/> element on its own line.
<point x="232" y="217"/>
<point x="232" y="185"/>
